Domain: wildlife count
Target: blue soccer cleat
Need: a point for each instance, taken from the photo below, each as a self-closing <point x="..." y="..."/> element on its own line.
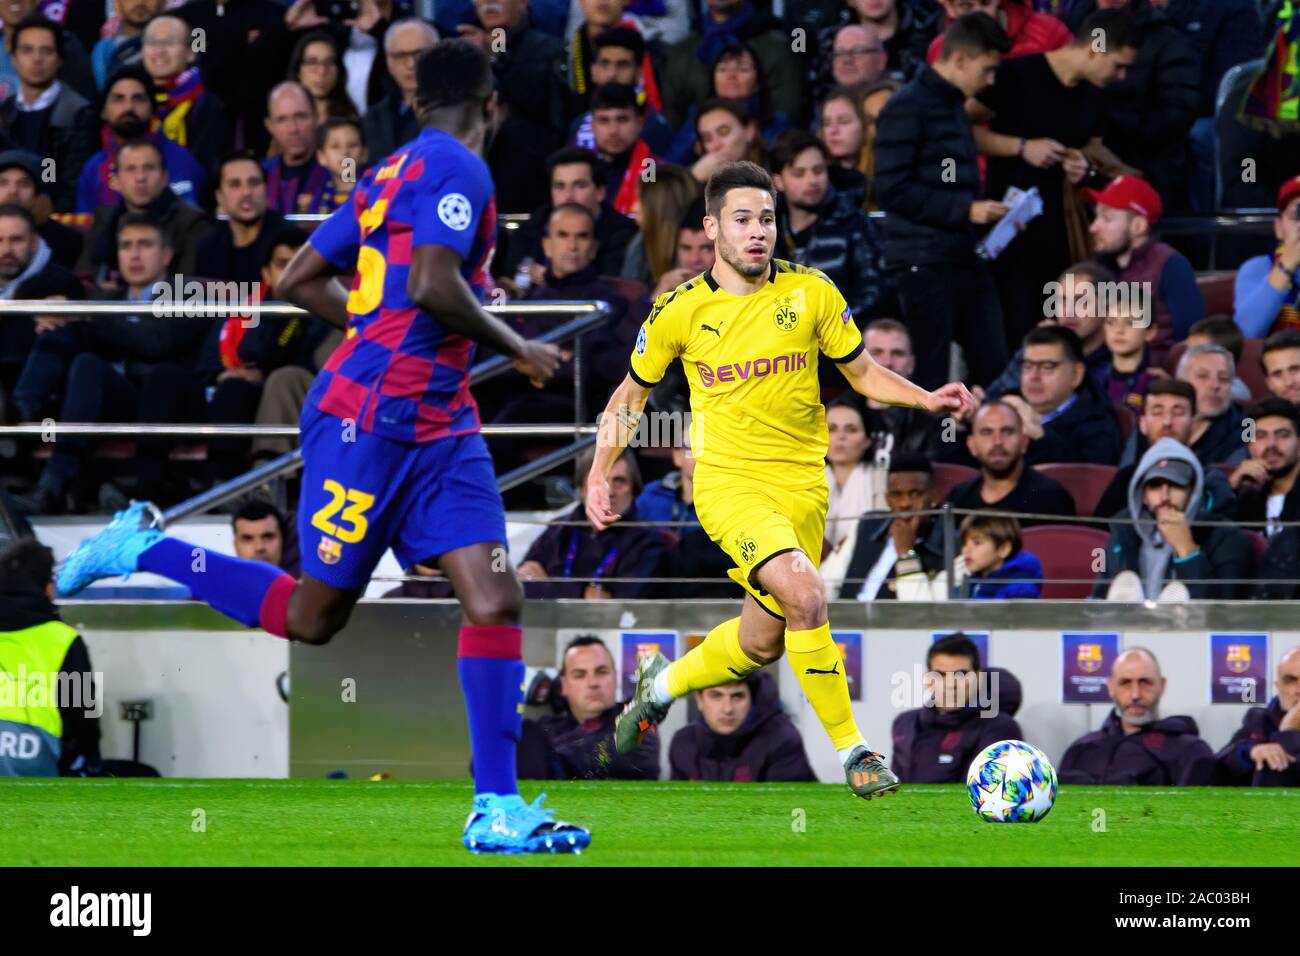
<point x="114" y="551"/>
<point x="506" y="824"/>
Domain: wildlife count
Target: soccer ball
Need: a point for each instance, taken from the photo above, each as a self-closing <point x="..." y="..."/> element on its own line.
<point x="1011" y="782"/>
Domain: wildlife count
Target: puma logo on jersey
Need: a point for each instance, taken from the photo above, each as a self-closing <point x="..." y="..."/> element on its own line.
<point x="709" y="328"/>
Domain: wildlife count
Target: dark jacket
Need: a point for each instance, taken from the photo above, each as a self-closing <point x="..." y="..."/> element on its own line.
<point x="273" y="342"/>
<point x="187" y="226"/>
<point x="1259" y="726"/>
<point x="1281" y="564"/>
<point x="873" y="535"/>
<point x="906" y="431"/>
<point x="619" y="551"/>
<point x="1021" y="576"/>
<point x="1034" y="493"/>
<point x="1218" y="500"/>
<point x="69" y="136"/>
<point x="21" y="608"/>
<point x="388" y="124"/>
<point x="1225" y="33"/>
<point x="931" y="746"/>
<point x="614" y="232"/>
<point x="921" y="133"/>
<point x="557" y="747"/>
<point x="1252" y="506"/>
<point x="1167" y="752"/>
<point x="842" y="243"/>
<point x="1086" y="431"/>
<point x="767" y="747"/>
<point x="217" y="258"/>
<point x="1221" y="443"/>
<point x="65" y="242"/>
<point x="696" y="555"/>
<point x="142" y="340"/>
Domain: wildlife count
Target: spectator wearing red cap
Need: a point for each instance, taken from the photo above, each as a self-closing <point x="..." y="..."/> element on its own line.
<point x="1127" y="211"/>
<point x="1267" y="294"/>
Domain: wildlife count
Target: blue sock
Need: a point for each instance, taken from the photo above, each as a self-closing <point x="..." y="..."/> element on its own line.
<point x="254" y="593"/>
<point x="491" y="677"/>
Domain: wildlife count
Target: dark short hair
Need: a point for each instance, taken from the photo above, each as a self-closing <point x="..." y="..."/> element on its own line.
<point x="955" y="643"/>
<point x="910" y="463"/>
<point x="148" y="221"/>
<point x="337" y="122"/>
<point x="1000" y="529"/>
<point x="625" y="38"/>
<point x="19" y="212"/>
<point x="616" y="96"/>
<point x="572" y="207"/>
<point x="258" y="509"/>
<point x="572" y="156"/>
<point x="693" y="218"/>
<point x="1171" y="386"/>
<point x="452" y="73"/>
<point x="741" y="174"/>
<point x="142" y="143"/>
<point x="1097" y="271"/>
<point x="135" y="73"/>
<point x="737" y="109"/>
<point x="38" y="22"/>
<point x="974" y="34"/>
<point x="236" y="156"/>
<point x="26" y="564"/>
<point x="852" y="401"/>
<point x="1285" y="339"/>
<point x="790" y="144"/>
<point x="583" y="640"/>
<point x="1119" y="28"/>
<point x="1221" y="330"/>
<point x="1067" y="339"/>
<point x="284" y="237"/>
<point x="1275" y="407"/>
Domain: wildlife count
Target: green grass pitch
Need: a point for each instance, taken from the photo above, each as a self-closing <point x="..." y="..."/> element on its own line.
<point x="362" y="823"/>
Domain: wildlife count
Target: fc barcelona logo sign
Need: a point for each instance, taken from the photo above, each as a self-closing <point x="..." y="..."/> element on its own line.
<point x="329" y="550"/>
<point x="1089" y="658"/>
<point x="1238" y="659"/>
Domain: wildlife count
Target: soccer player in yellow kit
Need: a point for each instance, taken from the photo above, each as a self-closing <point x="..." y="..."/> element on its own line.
<point x="748" y="333"/>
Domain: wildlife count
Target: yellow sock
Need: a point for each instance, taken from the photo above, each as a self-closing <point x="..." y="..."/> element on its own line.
<point x="815" y="659"/>
<point x="718" y="660"/>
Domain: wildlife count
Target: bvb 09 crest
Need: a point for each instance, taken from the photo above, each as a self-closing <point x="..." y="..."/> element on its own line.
<point x="1238" y="658"/>
<point x="787" y="311"/>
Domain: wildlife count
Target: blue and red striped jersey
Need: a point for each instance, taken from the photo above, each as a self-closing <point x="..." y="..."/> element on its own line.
<point x="400" y="372"/>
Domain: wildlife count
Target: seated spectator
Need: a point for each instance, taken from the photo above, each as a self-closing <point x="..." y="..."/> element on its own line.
<point x="75" y="70"/>
<point x="662" y="204"/>
<point x="855" y="479"/>
<point x="1031" y="31"/>
<point x="19" y="174"/>
<point x="191" y="116"/>
<point x="617" y="121"/>
<point x="391" y="122"/>
<point x="822" y="228"/>
<point x="578" y="68"/>
<point x="45" y="116"/>
<point x="582" y="559"/>
<point x="741" y="735"/>
<point x="935" y="743"/>
<point x="898" y="557"/>
<point x="1169" y="411"/>
<point x="904" y="28"/>
<point x="57" y="736"/>
<point x="142" y="182"/>
<point x="1221" y="330"/>
<point x="577" y="742"/>
<point x="672" y="497"/>
<point x="1135" y="745"/>
<point x="1264" y="750"/>
<point x="686" y="77"/>
<point x="295" y="181"/>
<point x="857" y="56"/>
<point x="1128" y="342"/>
<point x="997" y="441"/>
<point x="1265" y="482"/>
<point x="1127" y="212"/>
<point x="693" y="251"/>
<point x="843" y="130"/>
<point x="1217" y="436"/>
<point x="1266" y="298"/>
<point x="997" y="566"/>
<point x="620" y="54"/>
<point x="122" y="47"/>
<point x="898" y="431"/>
<point x="1060" y="405"/>
<point x="262" y="534"/>
<point x="237" y="248"/>
<point x="725" y="131"/>
<point x="126" y="110"/>
<point x="1281" y="360"/>
<point x="1156" y="541"/>
<point x="340" y="150"/>
<point x="315" y="64"/>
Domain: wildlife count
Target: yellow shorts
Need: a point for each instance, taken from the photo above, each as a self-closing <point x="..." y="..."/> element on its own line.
<point x="753" y="522"/>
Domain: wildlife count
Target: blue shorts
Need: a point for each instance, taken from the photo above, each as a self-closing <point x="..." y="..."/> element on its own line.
<point x="365" y="495"/>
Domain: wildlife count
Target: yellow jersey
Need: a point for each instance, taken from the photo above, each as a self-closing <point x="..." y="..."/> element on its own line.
<point x="751" y="361"/>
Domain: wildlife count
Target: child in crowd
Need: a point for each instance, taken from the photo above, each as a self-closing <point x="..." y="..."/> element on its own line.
<point x="341" y="149"/>
<point x="996" y="566"/>
<point x="1128" y="338"/>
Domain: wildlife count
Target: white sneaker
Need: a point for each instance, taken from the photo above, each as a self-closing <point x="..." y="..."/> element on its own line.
<point x="1175" y="592"/>
<point x="1126" y="588"/>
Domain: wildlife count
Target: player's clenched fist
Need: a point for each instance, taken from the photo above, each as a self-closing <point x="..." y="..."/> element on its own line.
<point x="599" y="512"/>
<point x="538" y="361"/>
<point x="953" y="397"/>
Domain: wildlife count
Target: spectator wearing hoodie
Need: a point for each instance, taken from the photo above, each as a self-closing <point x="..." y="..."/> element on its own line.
<point x="1216" y="436"/>
<point x="577" y="741"/>
<point x="965" y="710"/>
<point x="1135" y="745"/>
<point x="1156" y="540"/>
<point x="997" y="566"/>
<point x="1064" y="413"/>
<point x="1265" y="749"/>
<point x="819" y="227"/>
<point x="741" y="736"/>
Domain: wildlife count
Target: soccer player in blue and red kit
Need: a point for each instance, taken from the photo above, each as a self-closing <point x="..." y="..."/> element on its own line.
<point x="390" y="436"/>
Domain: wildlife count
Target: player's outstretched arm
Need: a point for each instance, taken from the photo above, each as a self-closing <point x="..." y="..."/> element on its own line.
<point x="437" y="287"/>
<point x="618" y="423"/>
<point x="873" y="380"/>
<point x="308" y="281"/>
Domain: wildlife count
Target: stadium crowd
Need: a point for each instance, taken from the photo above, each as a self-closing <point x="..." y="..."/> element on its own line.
<point x="148" y="142"/>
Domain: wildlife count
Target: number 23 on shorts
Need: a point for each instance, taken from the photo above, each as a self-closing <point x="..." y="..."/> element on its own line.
<point x="358" y="503"/>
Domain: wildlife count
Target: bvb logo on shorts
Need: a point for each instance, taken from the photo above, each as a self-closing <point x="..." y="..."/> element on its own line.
<point x="786" y="318"/>
<point x="329" y="551"/>
<point x="748" y="549"/>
